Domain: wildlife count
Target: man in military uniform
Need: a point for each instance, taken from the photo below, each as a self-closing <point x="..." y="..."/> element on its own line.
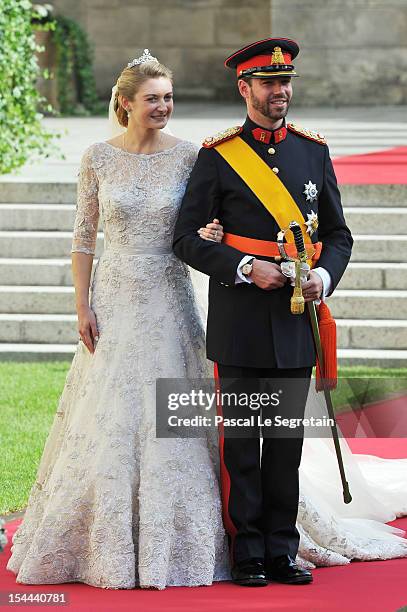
<point x="253" y="178"/>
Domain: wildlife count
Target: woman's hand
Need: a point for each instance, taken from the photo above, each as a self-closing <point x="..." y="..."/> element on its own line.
<point x="87" y="327"/>
<point x="212" y="231"/>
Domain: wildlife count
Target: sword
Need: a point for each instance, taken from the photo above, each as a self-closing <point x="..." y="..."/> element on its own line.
<point x="302" y="256"/>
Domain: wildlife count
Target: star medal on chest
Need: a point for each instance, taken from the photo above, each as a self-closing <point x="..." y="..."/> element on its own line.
<point x="310" y="191"/>
<point x="312" y="223"/>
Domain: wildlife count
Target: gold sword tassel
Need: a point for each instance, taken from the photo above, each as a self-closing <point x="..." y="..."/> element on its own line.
<point x="297" y="299"/>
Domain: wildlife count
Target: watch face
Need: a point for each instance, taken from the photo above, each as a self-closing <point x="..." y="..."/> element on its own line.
<point x="247" y="268"/>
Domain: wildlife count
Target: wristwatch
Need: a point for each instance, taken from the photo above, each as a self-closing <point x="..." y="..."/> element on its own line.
<point x="247" y="268"/>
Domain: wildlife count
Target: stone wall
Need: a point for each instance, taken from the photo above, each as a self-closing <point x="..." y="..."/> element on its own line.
<point x="192" y="37"/>
<point x="353" y="52"/>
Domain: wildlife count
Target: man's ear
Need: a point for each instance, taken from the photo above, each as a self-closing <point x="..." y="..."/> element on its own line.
<point x="243" y="88"/>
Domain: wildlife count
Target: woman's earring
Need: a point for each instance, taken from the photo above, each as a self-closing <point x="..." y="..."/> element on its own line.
<point x="128" y="111"/>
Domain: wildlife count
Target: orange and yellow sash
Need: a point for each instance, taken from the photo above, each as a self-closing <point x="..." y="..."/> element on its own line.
<point x="264" y="183"/>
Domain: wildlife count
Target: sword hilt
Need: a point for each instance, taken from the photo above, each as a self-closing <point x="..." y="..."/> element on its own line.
<point x="299" y="240"/>
<point x="297" y="300"/>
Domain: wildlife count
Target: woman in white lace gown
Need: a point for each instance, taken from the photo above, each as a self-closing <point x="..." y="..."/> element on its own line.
<point x="112" y="505"/>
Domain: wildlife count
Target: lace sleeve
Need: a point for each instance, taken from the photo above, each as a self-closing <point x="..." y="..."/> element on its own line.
<point x="87" y="208"/>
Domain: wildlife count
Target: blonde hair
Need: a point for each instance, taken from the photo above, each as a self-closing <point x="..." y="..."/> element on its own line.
<point x="130" y="81"/>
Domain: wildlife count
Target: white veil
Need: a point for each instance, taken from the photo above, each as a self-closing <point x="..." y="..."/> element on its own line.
<point x="114" y="127"/>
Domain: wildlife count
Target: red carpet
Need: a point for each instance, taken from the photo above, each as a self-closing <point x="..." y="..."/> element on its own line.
<point x="381" y="419"/>
<point x="395" y="448"/>
<point x="375" y="586"/>
<point x="381" y="167"/>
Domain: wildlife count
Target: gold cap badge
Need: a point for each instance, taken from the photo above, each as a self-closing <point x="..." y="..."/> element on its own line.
<point x="277" y="56"/>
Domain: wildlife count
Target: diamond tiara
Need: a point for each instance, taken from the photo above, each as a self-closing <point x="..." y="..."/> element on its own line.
<point x="146" y="57"/>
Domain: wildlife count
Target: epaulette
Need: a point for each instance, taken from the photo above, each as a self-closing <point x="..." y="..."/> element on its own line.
<point x="297" y="129"/>
<point x="212" y="141"/>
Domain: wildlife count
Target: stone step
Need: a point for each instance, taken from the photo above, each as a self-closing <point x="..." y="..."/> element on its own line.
<point x="37" y="192"/>
<point x="372" y="276"/>
<point x="36" y="217"/>
<point x="36" y="271"/>
<point x="58" y="272"/>
<point x="374" y="195"/>
<point x="15" y="244"/>
<point x="19" y="244"/>
<point x="37" y="300"/>
<point x="373" y="358"/>
<point x="38" y="328"/>
<point x="368" y="304"/>
<point x="379" y="248"/>
<point x="62" y="329"/>
<point x="37" y="352"/>
<point x="345" y="303"/>
<point x="60" y="217"/>
<point x="65" y="352"/>
<point x="364" y="220"/>
<point x="372" y="334"/>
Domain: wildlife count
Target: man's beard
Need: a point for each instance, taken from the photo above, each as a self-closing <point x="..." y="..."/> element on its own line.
<point x="266" y="110"/>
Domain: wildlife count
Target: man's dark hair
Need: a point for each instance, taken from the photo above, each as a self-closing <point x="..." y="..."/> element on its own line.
<point x="247" y="80"/>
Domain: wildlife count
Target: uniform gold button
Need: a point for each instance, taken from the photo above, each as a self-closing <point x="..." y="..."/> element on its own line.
<point x="271" y="151"/>
<point x="276" y="170"/>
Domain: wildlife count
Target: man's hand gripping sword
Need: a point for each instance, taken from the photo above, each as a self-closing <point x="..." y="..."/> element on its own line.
<point x="297" y="307"/>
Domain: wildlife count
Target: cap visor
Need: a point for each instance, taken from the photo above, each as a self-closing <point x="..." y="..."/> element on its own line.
<point x="267" y="75"/>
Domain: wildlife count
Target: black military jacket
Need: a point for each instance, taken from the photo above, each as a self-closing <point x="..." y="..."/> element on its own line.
<point x="248" y="326"/>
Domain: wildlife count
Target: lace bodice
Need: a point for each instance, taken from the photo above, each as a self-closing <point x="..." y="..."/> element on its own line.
<point x="112" y="183"/>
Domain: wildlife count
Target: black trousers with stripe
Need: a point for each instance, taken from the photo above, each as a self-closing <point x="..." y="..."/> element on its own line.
<point x="261" y="491"/>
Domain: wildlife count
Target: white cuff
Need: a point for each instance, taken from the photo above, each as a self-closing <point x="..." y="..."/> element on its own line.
<point x="240" y="277"/>
<point x="326" y="281"/>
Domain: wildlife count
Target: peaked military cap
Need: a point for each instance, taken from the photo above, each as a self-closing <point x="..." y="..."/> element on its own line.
<point x="270" y="57"/>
